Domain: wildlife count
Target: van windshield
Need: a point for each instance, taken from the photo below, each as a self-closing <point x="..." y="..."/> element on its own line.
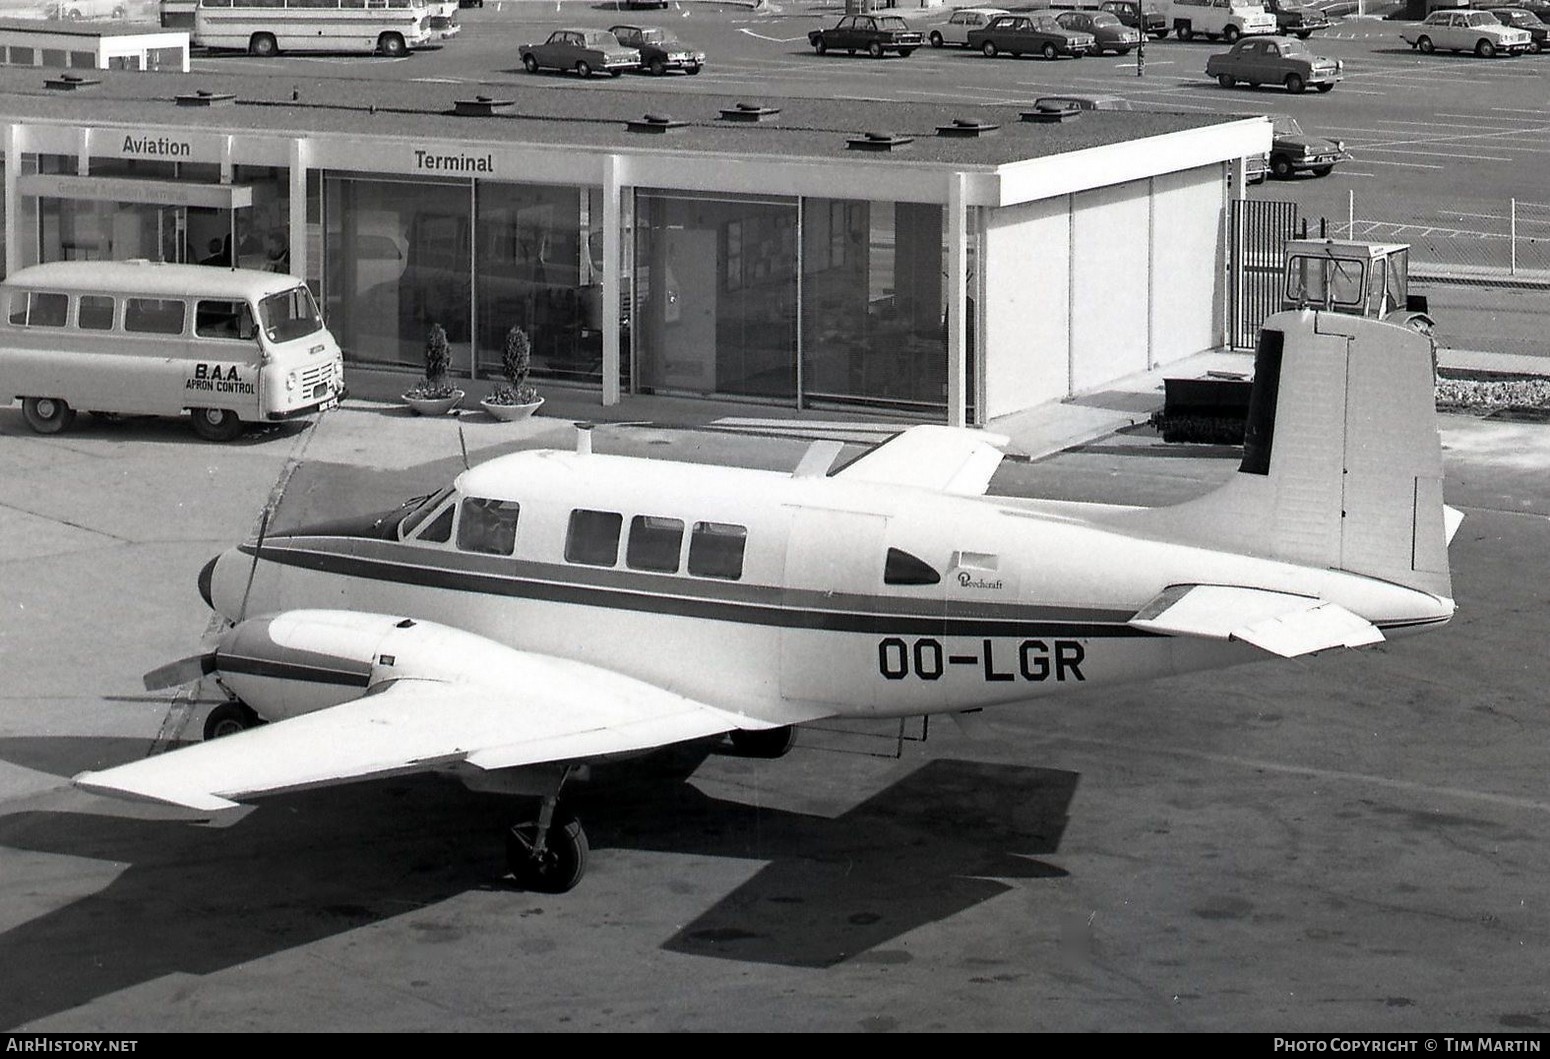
<point x="289" y="315"/>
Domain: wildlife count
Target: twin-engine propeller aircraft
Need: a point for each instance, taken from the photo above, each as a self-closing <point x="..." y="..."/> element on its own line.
<point x="553" y="608"/>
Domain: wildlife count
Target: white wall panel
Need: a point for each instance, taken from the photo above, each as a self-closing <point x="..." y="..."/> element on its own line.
<point x="1027" y="302"/>
<point x="1110" y="283"/>
<point x="1187" y="265"/>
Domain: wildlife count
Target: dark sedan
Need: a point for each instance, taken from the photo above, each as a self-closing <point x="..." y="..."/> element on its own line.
<point x="1293" y="151"/>
<point x="1274" y="61"/>
<point x="1030" y="35"/>
<point x="1109" y="33"/>
<point x="1521" y="18"/>
<point x="659" y="50"/>
<point x="877" y="35"/>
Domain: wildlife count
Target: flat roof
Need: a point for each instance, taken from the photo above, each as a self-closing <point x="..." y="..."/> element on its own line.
<point x="58" y="27"/>
<point x="551" y="112"/>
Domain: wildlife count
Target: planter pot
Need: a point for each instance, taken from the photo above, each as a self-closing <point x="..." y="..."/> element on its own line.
<point x="434" y="406"/>
<point x="510" y="412"/>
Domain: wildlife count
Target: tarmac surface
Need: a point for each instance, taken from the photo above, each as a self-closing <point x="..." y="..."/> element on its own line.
<point x="1349" y="842"/>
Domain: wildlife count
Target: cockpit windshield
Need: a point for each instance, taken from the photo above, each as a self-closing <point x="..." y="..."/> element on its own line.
<point x="419" y="509"/>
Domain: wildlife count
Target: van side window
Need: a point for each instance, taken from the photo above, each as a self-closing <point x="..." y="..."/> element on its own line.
<point x="220" y="319"/>
<point x="95" y="312"/>
<point x="39" y="308"/>
<point x="593" y="538"/>
<point x="716" y="550"/>
<point x="156" y="316"/>
<point x="488" y="526"/>
<point x="654" y="544"/>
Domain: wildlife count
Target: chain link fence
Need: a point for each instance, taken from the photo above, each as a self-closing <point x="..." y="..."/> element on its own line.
<point x="1477" y="239"/>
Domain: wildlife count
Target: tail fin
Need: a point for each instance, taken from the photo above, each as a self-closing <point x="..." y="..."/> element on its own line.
<point x="1342" y="463"/>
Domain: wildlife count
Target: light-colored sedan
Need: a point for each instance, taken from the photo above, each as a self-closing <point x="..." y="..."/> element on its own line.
<point x="1477" y="31"/>
<point x="956" y="29"/>
<point x="581" y="50"/>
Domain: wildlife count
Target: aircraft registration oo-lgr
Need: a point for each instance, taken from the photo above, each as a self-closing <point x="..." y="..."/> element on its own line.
<point x="551" y="609"/>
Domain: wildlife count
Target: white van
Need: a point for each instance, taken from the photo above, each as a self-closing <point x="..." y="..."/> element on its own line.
<point x="228" y="346"/>
<point x="1228" y="19"/>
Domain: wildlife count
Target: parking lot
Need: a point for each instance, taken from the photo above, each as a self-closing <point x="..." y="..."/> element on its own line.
<point x="1335" y="843"/>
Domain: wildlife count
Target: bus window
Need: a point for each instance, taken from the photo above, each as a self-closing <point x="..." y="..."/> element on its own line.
<point x="221" y="319"/>
<point x="95" y="313"/>
<point x="155" y="316"/>
<point x="39" y="309"/>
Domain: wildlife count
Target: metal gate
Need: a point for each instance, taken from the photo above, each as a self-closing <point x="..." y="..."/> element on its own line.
<point x="1258" y="231"/>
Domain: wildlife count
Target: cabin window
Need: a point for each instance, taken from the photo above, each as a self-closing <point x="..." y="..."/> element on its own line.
<point x="439" y="529"/>
<point x="488" y="526"/>
<point x="222" y="319"/>
<point x="593" y="538"/>
<point x="716" y="550"/>
<point x="654" y="544"/>
<point x="95" y="313"/>
<point x="39" y="309"/>
<point x="902" y="568"/>
<point x="155" y="316"/>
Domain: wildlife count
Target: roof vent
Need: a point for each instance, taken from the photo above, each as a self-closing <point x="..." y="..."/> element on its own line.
<point x="654" y="123"/>
<point x="481" y="106"/>
<point x="70" y="82"/>
<point x="1047" y="112"/>
<point x="206" y="98"/>
<point x="748" y="112"/>
<point x="878" y="141"/>
<point x="966" y="127"/>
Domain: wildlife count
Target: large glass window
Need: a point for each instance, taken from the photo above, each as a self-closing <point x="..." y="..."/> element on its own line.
<point x="715" y="295"/>
<point x="874" y="306"/>
<point x="533" y="274"/>
<point x="398" y="260"/>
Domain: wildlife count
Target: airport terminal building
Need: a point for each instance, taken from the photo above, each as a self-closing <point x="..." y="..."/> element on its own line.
<point x="956" y="263"/>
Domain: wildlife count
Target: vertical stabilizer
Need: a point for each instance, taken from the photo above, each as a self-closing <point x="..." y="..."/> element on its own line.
<point x="1342" y="463"/>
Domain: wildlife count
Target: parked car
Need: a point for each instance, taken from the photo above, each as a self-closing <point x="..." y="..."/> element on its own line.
<point x="877" y="35"/>
<point x="1521" y="18"/>
<point x="1274" y="61"/>
<point x="1298" y="20"/>
<point x="86" y="9"/>
<point x="1458" y="31"/>
<point x="1108" y="32"/>
<point x="1228" y="19"/>
<point x="956" y="29"/>
<point x="1037" y="34"/>
<point x="1125" y="11"/>
<point x="582" y="50"/>
<point x="1082" y="101"/>
<point x="659" y="50"/>
<point x="1293" y="151"/>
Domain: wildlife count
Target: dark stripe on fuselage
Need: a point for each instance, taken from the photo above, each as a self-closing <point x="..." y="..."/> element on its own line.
<point x="799" y="609"/>
<point x="269" y="667"/>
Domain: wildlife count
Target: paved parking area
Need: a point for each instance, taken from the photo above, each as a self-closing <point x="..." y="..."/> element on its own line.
<point x="1345" y="843"/>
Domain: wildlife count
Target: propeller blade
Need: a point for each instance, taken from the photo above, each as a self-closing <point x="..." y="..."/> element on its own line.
<point x="183" y="671"/>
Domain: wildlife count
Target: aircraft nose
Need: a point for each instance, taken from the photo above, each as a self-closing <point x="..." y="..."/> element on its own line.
<point x="206" y="575"/>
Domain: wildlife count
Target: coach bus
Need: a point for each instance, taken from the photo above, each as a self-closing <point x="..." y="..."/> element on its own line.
<point x="269" y="27"/>
<point x="228" y="346"/>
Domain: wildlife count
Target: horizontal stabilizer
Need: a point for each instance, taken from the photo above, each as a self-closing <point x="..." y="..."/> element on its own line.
<point x="1278" y="622"/>
<point x="947" y="459"/>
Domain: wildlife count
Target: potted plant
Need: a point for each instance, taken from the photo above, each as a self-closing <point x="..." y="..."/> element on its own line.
<point x="433" y="395"/>
<point x="515" y="398"/>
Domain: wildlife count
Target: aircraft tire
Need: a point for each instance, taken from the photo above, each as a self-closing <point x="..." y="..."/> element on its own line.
<point x="765" y="742"/>
<point x="229" y="718"/>
<point x="563" y="862"/>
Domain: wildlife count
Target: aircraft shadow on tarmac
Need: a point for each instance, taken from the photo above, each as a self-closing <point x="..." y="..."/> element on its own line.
<point x="315" y="864"/>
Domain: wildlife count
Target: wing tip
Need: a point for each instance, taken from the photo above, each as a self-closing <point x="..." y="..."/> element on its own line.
<point x="202" y="801"/>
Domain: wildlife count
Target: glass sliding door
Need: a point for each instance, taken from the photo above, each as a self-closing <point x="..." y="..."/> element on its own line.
<point x="397" y="259"/>
<point x="715" y="295"/>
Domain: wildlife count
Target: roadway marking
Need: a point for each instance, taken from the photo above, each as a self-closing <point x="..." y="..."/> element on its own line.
<point x="777" y="40"/>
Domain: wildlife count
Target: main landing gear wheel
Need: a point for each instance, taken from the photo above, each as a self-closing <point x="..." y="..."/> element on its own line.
<point x="765" y="742"/>
<point x="229" y="718"/>
<point x="47" y="415"/>
<point x="547" y="855"/>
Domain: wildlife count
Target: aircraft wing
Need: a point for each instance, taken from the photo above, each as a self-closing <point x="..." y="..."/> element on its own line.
<point x="416" y="725"/>
<point x="947" y="459"/>
<point x="1279" y="622"/>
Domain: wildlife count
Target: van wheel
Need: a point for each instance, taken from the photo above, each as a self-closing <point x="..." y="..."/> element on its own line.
<point x="216" y="424"/>
<point x="1230" y="34"/>
<point x="263" y="46"/>
<point x="1185" y="31"/>
<point x="47" y="415"/>
<point x="392" y="45"/>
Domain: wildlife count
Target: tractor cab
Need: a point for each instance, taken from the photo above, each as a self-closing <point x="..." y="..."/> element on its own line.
<point x="1360" y="279"/>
